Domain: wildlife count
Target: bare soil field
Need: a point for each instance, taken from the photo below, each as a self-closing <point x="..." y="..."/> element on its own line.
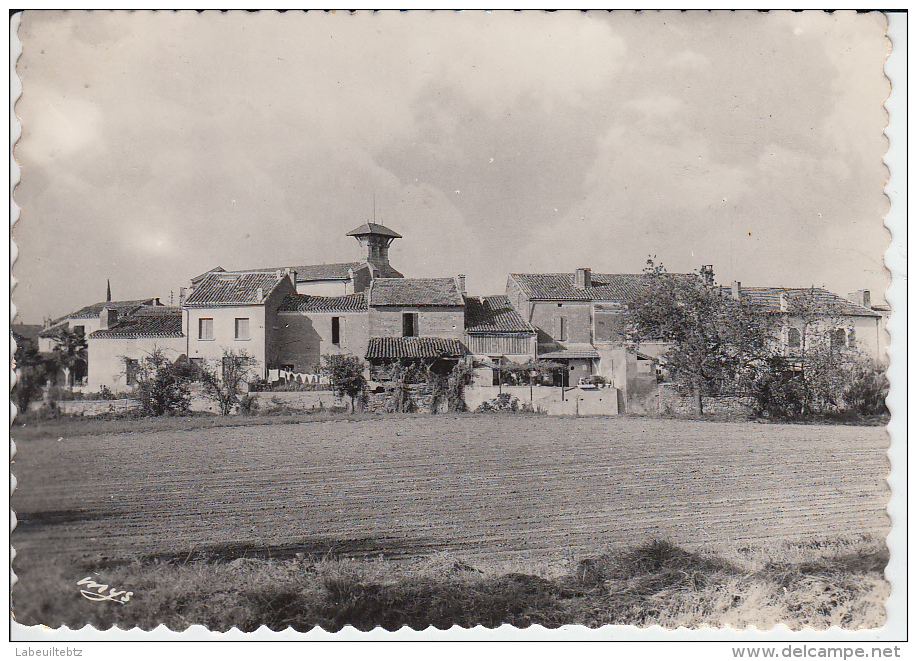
<point x="487" y="487"/>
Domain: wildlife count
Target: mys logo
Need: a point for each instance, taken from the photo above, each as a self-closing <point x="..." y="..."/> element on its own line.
<point x="117" y="596"/>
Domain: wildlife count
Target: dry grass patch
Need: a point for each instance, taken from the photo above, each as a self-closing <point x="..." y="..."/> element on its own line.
<point x="820" y="583"/>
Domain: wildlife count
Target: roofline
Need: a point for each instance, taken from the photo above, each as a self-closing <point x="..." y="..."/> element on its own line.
<point x="225" y="305"/>
<point x="340" y="311"/>
<point x="500" y="332"/>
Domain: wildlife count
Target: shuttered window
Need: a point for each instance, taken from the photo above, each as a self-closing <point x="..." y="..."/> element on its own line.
<point x="242" y="329"/>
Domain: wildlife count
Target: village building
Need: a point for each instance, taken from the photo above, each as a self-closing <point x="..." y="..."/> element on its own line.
<point x="309" y="327"/>
<point x="287" y="319"/>
<point x="84" y="321"/>
<point x="343" y="278"/>
<point x="415" y="321"/>
<point x="235" y="313"/>
<point x="115" y="351"/>
<point x="814" y="314"/>
<point x="579" y="319"/>
<point x="496" y="335"/>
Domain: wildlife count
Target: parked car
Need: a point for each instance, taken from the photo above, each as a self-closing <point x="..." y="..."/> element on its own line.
<point x="587" y="383"/>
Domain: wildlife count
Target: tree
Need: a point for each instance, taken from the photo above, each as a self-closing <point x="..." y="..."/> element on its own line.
<point x="224" y="384"/>
<point x="715" y="340"/>
<point x="69" y="350"/>
<point x="32" y="374"/>
<point x="346" y="376"/>
<point x="825" y="360"/>
<point x="162" y="386"/>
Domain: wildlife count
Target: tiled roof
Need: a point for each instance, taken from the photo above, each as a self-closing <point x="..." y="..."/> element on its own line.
<point x="414" y="347"/>
<point x="198" y="278"/>
<point x="93" y="311"/>
<point x="415" y="291"/>
<point x="560" y="287"/>
<point x="572" y="350"/>
<point x="824" y="301"/>
<point x="158" y="321"/>
<point x="493" y="314"/>
<point x="373" y="228"/>
<point x="312" y="272"/>
<point x="307" y="303"/>
<point x="234" y="288"/>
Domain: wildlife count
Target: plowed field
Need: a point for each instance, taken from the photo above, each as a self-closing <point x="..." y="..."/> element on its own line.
<point x="501" y="487"/>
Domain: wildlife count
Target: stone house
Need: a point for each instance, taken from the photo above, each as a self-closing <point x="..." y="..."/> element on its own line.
<point x="85" y="321"/>
<point x="343" y="278"/>
<point x="807" y="315"/>
<point x="579" y="319"/>
<point x="235" y="312"/>
<point x="496" y="334"/>
<point x="116" y="349"/>
<point x="419" y="320"/>
<point x="309" y="327"/>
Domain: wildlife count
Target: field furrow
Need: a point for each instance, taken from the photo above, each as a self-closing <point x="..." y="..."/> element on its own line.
<point x="490" y="486"/>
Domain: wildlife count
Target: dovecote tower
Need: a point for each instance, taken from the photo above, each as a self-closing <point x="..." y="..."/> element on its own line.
<point x="376" y="239"/>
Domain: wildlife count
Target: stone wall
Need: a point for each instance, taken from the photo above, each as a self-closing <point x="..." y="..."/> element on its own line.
<point x="550" y="400"/>
<point x="667" y="400"/>
<point x="302" y="401"/>
<point x="444" y="321"/>
<point x="421" y="394"/>
<point x="96" y="407"/>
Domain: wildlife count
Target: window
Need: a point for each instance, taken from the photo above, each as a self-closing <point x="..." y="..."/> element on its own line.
<point x="497" y="363"/>
<point x="242" y="329"/>
<point x="851" y="339"/>
<point x="205" y="329"/>
<point x="409" y="321"/>
<point x="336" y="330"/>
<point x="793" y="338"/>
<point x="838" y="339"/>
<point x="79" y="330"/>
<point x="560" y="329"/>
<point x="132" y="367"/>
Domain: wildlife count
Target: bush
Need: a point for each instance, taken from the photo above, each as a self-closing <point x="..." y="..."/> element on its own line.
<point x="500" y="403"/>
<point x="248" y="405"/>
<point x="400" y="399"/>
<point x="346" y="375"/>
<point x="868" y="390"/>
<point x="225" y="387"/>
<point x="162" y="387"/>
<point x="778" y="392"/>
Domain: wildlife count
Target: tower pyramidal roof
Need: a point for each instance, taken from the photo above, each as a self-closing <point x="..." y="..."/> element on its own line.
<point x="369" y="229"/>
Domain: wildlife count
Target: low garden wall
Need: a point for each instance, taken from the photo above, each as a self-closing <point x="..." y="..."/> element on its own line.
<point x="573" y="401"/>
<point x="309" y="400"/>
<point x="94" y="407"/>
<point x="669" y="401"/>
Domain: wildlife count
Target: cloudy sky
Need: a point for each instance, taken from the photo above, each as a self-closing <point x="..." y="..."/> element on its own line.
<point x="157" y="146"/>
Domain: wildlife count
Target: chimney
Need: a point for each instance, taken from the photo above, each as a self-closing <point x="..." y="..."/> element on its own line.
<point x="706" y="272"/>
<point x="861" y="297"/>
<point x="583" y="278"/>
<point x="736" y="289"/>
<point x="108" y="317"/>
<point x="460" y="281"/>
